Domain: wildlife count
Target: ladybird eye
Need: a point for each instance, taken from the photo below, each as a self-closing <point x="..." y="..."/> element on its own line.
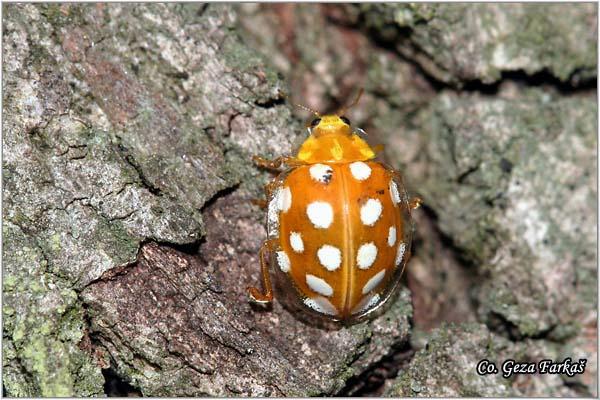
<point x="315" y="122"/>
<point x="346" y="120"/>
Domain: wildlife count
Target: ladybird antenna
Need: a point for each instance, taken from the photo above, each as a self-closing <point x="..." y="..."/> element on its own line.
<point x="342" y="110"/>
<point x="308" y="109"/>
<point x="285" y="97"/>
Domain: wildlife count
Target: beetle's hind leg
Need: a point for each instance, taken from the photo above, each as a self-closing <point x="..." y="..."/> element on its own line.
<point x="255" y="294"/>
<point x="415" y="203"/>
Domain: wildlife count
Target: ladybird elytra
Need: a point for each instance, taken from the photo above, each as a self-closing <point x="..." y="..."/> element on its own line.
<point x="338" y="222"/>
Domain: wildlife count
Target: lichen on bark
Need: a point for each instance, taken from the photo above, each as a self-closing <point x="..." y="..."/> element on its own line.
<point x="501" y="179"/>
<point x="458" y="43"/>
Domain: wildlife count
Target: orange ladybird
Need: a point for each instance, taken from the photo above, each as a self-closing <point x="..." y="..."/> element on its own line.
<point x="339" y="225"/>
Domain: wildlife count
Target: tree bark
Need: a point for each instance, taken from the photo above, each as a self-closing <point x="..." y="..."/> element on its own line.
<point x="129" y="237"/>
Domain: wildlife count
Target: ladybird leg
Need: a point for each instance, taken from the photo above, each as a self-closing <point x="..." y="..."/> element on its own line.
<point x="255" y="294"/>
<point x="378" y="148"/>
<point x="415" y="203"/>
<point x="276" y="163"/>
<point x="263" y="203"/>
<point x="269" y="187"/>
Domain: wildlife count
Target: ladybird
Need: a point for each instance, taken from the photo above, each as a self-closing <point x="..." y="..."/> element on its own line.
<point x="338" y="222"/>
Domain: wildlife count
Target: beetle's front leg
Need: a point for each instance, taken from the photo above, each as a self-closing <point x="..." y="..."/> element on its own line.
<point x="255" y="294"/>
<point x="378" y="148"/>
<point x="269" y="187"/>
<point x="276" y="163"/>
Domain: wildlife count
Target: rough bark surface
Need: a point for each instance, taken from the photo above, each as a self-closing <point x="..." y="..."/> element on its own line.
<point x="192" y="331"/>
<point x="461" y="43"/>
<point x="129" y="237"/>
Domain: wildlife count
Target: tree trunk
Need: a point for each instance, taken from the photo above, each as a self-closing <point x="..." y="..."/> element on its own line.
<point x="129" y="235"/>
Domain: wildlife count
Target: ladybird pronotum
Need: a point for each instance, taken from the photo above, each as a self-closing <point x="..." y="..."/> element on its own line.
<point x="339" y="224"/>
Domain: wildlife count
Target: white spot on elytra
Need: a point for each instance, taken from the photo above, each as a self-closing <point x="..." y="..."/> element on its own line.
<point x="286" y="199"/>
<point x="366" y="303"/>
<point x="394" y="192"/>
<point x="283" y="260"/>
<point x="319" y="285"/>
<point x="400" y="253"/>
<point x="370" y="212"/>
<point x="322" y="305"/>
<point x="366" y="255"/>
<point x="373" y="282"/>
<point x="330" y="257"/>
<point x="320" y="214"/>
<point x="321" y="173"/>
<point x="296" y="242"/>
<point x="360" y="170"/>
<point x="391" y="236"/>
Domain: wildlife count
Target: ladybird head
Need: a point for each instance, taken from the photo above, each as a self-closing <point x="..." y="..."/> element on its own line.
<point x="330" y="124"/>
<point x="332" y="139"/>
